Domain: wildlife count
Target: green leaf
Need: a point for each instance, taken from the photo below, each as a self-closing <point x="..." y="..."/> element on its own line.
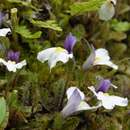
<point x="71" y="123"/>
<point x="2" y="110"/>
<point x="51" y="24"/>
<point x="118" y="36"/>
<point x="120" y="26"/>
<point x="91" y="5"/>
<point x="120" y="48"/>
<point x="58" y="90"/>
<point x="23" y="31"/>
<point x="12" y="100"/>
<point x="5" y="41"/>
<point x="58" y="122"/>
<point x="79" y="32"/>
<point x="22" y="3"/>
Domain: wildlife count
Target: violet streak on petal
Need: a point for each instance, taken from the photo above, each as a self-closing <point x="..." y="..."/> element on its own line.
<point x="72" y="104"/>
<point x="69" y="43"/>
<point x="104" y="85"/>
<point x="13" y="56"/>
<point x="90" y="60"/>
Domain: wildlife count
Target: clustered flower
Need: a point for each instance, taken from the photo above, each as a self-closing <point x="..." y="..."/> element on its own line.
<point x="76" y="98"/>
<point x="55" y="54"/>
<point x="76" y="102"/>
<point x="12" y="62"/>
<point x="99" y="57"/>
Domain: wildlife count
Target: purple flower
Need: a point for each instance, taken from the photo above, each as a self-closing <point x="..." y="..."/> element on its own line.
<point x="72" y="104"/>
<point x="104" y="85"/>
<point x="69" y="43"/>
<point x="76" y="102"/>
<point x="90" y="60"/>
<point x="13" y="56"/>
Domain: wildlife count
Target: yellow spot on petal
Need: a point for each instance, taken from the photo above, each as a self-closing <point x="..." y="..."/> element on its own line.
<point x="59" y="49"/>
<point x="11" y="62"/>
<point x="98" y="59"/>
<point x="106" y="94"/>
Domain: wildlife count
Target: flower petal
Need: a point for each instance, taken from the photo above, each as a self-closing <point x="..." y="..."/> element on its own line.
<point x="45" y="54"/>
<point x="102" y="54"/>
<point x="107" y="63"/>
<point x="53" y="55"/>
<point x="70" y="91"/>
<point x="72" y="104"/>
<point x="104" y="85"/>
<point x="113" y="2"/>
<point x="90" y="60"/>
<point x="21" y="64"/>
<point x="85" y="106"/>
<point x="107" y="11"/>
<point x="4" y="31"/>
<point x="13" y="56"/>
<point x="109" y="102"/>
<point x="69" y="43"/>
<point x="103" y="58"/>
<point x="12" y="66"/>
<point x="3" y="61"/>
<point x="92" y="89"/>
<point x="59" y="56"/>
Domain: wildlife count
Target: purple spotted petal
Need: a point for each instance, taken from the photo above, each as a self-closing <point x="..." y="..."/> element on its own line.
<point x="72" y="104"/>
<point x="89" y="61"/>
<point x="13" y="56"/>
<point x="104" y="85"/>
<point x="69" y="43"/>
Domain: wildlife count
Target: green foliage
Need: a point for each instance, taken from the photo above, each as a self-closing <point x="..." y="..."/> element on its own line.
<point x="3" y="113"/>
<point x="82" y="7"/>
<point x="71" y="123"/>
<point x="22" y="3"/>
<point x="5" y="42"/>
<point x="26" y="33"/>
<point x="120" y="26"/>
<point x="117" y="36"/>
<point x="57" y="2"/>
<point x="57" y="89"/>
<point x="13" y="99"/>
<point x="33" y="96"/>
<point x="79" y="32"/>
<point x="58" y="122"/>
<point x="50" y="24"/>
<point x="2" y="110"/>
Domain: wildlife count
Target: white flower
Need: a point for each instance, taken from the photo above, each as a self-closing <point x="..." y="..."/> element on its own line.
<point x="4" y="31"/>
<point x="75" y="102"/>
<point x="98" y="57"/>
<point x="12" y="65"/>
<point x="102" y="58"/>
<point x="70" y="91"/>
<point x="107" y="10"/>
<point x="53" y="55"/>
<point x="109" y="101"/>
